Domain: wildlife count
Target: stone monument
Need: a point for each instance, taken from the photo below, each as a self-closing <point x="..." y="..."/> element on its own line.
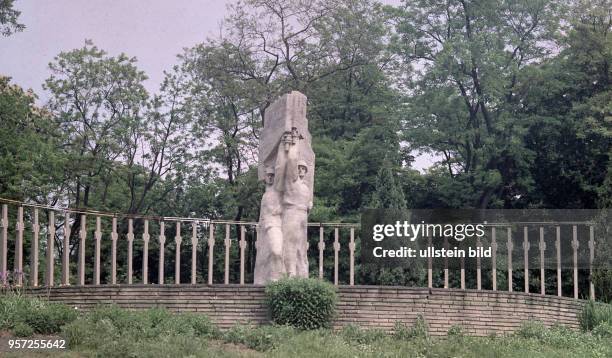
<point x="286" y="164"/>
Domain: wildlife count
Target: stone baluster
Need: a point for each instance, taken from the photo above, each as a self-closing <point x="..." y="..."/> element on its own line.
<point x="145" y="252"/>
<point x="66" y="251"/>
<point x="575" y="249"/>
<point x="82" y="236"/>
<point x="321" y="251"/>
<point x="542" y="248"/>
<point x="462" y="261"/>
<point x="336" y="252"/>
<point x="445" y="263"/>
<point x="130" y="240"/>
<point x="49" y="274"/>
<point x="4" y="245"/>
<point x="526" y="257"/>
<point x="177" y="254"/>
<point x="228" y="244"/>
<point x="478" y="266"/>
<point x="509" y="247"/>
<point x="242" y="248"/>
<point x="494" y="259"/>
<point x="98" y="243"/>
<point x="114" y="238"/>
<point x="211" y="257"/>
<point x="194" y="252"/>
<point x="162" y="244"/>
<point x="34" y="254"/>
<point x="429" y="265"/>
<point x="558" y="245"/>
<point x="19" y="248"/>
<point x="352" y="258"/>
<point x="591" y="258"/>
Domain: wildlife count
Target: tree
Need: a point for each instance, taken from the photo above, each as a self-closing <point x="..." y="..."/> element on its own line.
<point x="30" y="156"/>
<point x="388" y="194"/>
<point x="9" y="23"/>
<point x="334" y="52"/>
<point x="567" y="103"/>
<point x="469" y="54"/>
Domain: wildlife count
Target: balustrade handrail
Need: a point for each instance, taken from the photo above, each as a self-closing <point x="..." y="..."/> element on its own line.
<point x="240" y="235"/>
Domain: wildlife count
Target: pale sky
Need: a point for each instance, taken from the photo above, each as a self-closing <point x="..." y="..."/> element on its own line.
<point x="153" y="31"/>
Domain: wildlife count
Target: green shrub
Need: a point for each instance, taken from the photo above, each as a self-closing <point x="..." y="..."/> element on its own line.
<point x="22" y="330"/>
<point x="303" y="303"/>
<point x="259" y="338"/>
<point x="532" y="329"/>
<point x="455" y="331"/>
<point x="50" y="318"/>
<point x="420" y="328"/>
<point x="187" y="324"/>
<point x="355" y="334"/>
<point x="603" y="330"/>
<point x="401" y="331"/>
<point x="595" y="313"/>
<point x="111" y="331"/>
<point x="42" y="316"/>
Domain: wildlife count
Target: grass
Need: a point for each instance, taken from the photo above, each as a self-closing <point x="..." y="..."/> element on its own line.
<point x="109" y="331"/>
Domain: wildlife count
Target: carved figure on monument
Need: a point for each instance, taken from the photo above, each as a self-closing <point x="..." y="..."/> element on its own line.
<point x="269" y="265"/>
<point x="285" y="146"/>
<point x="297" y="202"/>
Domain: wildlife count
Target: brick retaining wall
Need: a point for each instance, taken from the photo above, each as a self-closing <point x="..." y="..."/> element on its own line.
<point x="478" y="312"/>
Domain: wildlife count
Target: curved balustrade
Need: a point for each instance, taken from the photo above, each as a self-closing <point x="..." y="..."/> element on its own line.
<point x="53" y="230"/>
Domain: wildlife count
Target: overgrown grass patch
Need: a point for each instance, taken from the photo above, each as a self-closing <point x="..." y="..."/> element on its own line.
<point x="28" y="315"/>
<point x="594" y="314"/>
<point x="109" y="331"/>
<point x="114" y="332"/>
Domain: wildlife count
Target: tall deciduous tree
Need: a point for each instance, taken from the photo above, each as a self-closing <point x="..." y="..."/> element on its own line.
<point x="30" y="157"/>
<point x="469" y="54"/>
<point x="567" y="103"/>
<point x="334" y="52"/>
<point x="98" y="101"/>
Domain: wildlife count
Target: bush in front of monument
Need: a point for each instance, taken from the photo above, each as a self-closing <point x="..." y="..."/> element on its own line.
<point x="304" y="303"/>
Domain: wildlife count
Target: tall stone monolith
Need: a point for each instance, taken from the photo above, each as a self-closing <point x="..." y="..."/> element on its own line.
<point x="286" y="165"/>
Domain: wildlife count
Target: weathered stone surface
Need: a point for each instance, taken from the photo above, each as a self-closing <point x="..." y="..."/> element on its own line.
<point x="286" y="163"/>
<point x="289" y="111"/>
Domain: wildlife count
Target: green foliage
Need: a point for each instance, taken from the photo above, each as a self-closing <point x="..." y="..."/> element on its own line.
<point x="594" y="314"/>
<point x="419" y="330"/>
<point x="108" y="331"/>
<point x="401" y="331"/>
<point x="111" y="331"/>
<point x="262" y="338"/>
<point x="118" y="322"/>
<point x="455" y="331"/>
<point x="30" y="164"/>
<point x="42" y="316"/>
<point x="303" y="303"/>
<point x="356" y="335"/>
<point x="22" y="330"/>
<point x="531" y="329"/>
<point x="388" y="195"/>
<point x="603" y="330"/>
<point x="9" y="16"/>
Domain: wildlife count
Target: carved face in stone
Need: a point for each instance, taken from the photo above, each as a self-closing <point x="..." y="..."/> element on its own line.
<point x="269" y="177"/>
<point x="302" y="170"/>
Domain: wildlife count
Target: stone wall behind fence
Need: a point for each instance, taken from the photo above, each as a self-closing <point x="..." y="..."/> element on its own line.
<point x="478" y="312"/>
